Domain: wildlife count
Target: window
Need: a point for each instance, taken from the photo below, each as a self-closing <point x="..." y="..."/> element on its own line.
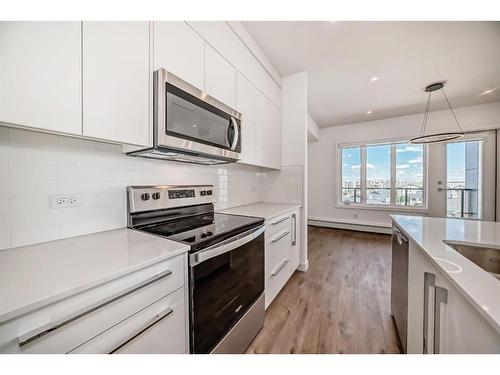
<point x="389" y="174"/>
<point x="351" y="175"/>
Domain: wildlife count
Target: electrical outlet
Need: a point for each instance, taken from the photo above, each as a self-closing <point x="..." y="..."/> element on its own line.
<point x="65" y="201"/>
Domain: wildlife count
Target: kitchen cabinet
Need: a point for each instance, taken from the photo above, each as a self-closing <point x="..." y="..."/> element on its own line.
<point x="220" y="77"/>
<point x="275" y="137"/>
<point x="40" y="75"/>
<point x="268" y="133"/>
<point x="282" y="252"/>
<point x="245" y="104"/>
<point x="180" y="50"/>
<point x="453" y="324"/>
<point x="126" y="314"/>
<point x="116" y="82"/>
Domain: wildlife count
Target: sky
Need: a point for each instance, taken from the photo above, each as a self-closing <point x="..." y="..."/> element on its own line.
<point x="408" y="162"/>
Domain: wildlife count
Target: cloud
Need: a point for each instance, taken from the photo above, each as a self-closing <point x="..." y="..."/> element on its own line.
<point x="368" y="166"/>
<point x="402" y="166"/>
<point x="418" y="159"/>
<point x="410" y="149"/>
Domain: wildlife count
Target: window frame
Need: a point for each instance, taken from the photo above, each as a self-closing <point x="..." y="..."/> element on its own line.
<point x="393" y="194"/>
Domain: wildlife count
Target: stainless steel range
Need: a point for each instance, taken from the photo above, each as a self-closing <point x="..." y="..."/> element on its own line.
<point x="226" y="262"/>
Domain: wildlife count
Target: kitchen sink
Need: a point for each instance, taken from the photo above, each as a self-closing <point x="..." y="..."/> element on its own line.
<point x="487" y="258"/>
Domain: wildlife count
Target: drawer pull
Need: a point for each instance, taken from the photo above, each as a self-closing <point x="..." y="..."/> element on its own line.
<point x="160" y="316"/>
<point x="52" y="326"/>
<point x="280" y="220"/>
<point x="281" y="236"/>
<point x="281" y="266"/>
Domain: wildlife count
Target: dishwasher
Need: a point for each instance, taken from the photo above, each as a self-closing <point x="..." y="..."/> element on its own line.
<point x="399" y="284"/>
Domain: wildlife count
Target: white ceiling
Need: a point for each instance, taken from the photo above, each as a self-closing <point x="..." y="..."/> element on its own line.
<point x="340" y="58"/>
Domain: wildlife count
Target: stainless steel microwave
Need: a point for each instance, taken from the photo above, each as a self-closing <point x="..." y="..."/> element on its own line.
<point x="191" y="126"/>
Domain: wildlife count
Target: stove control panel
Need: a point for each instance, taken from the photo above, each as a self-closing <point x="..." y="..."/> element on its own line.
<point x="149" y="198"/>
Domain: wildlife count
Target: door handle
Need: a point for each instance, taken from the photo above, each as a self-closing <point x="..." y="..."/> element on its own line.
<point x="440" y="297"/>
<point x="234" y="143"/>
<point x="429" y="280"/>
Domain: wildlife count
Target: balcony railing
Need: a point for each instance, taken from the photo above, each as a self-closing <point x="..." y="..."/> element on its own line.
<point x="459" y="202"/>
<point x="404" y="196"/>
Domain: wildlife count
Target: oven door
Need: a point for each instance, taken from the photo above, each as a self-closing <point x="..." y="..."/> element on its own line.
<point x="188" y="119"/>
<point x="225" y="281"/>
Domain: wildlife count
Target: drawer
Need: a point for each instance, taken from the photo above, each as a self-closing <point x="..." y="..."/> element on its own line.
<point x="277" y="279"/>
<point x="157" y="329"/>
<point x="278" y="247"/>
<point x="93" y="312"/>
<point x="278" y="223"/>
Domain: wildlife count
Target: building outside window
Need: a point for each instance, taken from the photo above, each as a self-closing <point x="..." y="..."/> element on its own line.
<point x="387" y="174"/>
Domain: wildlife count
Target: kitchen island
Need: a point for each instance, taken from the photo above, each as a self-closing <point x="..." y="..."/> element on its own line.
<point x="467" y="319"/>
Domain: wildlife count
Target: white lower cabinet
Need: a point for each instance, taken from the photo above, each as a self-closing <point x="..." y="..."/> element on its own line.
<point x="453" y="324"/>
<point x="129" y="314"/>
<point x="282" y="252"/>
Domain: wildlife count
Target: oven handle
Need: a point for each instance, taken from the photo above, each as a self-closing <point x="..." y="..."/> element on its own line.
<point x="225" y="246"/>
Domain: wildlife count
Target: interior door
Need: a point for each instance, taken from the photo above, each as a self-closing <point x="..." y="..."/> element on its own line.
<point x="461" y="177"/>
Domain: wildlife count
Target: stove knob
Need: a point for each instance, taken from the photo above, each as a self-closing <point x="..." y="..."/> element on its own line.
<point x="145" y="196"/>
<point x="209" y="233"/>
<point x="209" y="192"/>
<point x="203" y="193"/>
<point x="156" y="196"/>
<point x="203" y="235"/>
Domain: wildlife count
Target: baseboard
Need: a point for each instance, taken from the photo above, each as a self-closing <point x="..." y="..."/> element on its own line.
<point x="303" y="266"/>
<point x="360" y="227"/>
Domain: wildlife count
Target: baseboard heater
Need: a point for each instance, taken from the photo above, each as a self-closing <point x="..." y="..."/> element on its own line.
<point x="360" y="227"/>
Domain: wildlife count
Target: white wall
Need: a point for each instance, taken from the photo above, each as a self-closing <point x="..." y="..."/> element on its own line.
<point x="312" y="130"/>
<point x="322" y="185"/>
<point x="34" y="166"/>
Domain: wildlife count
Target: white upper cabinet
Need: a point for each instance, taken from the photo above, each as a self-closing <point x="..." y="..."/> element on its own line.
<point x="262" y="121"/>
<point x="116" y="81"/>
<point x="40" y="75"/>
<point x="245" y="104"/>
<point x="275" y="151"/>
<point x="180" y="50"/>
<point x="220" y="77"/>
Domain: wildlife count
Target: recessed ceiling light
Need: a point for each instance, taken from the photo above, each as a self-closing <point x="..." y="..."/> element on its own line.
<point x="486" y="92"/>
<point x="369" y="112"/>
<point x="374" y="79"/>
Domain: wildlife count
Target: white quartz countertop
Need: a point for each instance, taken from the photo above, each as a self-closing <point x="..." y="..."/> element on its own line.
<point x="265" y="210"/>
<point x="36" y="275"/>
<point x="477" y="285"/>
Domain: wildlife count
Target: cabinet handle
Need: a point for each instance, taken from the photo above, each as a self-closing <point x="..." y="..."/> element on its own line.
<point x="280" y="220"/>
<point x="52" y="326"/>
<point x="281" y="266"/>
<point x="440" y="297"/>
<point x="294" y="227"/>
<point x="429" y="280"/>
<point x="160" y="316"/>
<point x="281" y="236"/>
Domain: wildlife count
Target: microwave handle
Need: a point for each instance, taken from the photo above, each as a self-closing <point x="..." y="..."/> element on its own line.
<point x="234" y="143"/>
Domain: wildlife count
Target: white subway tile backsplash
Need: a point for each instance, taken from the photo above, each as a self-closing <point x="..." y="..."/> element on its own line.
<point x="35" y="166"/>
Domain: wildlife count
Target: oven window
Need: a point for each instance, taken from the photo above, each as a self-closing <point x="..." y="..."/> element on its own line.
<point x="187" y="117"/>
<point x="223" y="289"/>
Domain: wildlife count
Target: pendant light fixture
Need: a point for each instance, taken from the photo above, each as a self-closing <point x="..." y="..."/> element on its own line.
<point x="436" y="137"/>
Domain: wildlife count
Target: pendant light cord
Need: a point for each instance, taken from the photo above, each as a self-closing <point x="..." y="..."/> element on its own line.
<point x="451" y="109"/>
<point x="426" y="113"/>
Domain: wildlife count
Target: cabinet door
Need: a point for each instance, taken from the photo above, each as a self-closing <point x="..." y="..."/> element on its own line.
<point x="458" y="326"/>
<point x="245" y="103"/>
<point x="220" y="77"/>
<point x="40" y="75"/>
<point x="275" y="141"/>
<point x="116" y="81"/>
<point x="180" y="50"/>
<point x="262" y="124"/>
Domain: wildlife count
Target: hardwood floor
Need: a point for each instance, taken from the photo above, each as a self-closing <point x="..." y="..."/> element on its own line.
<point x="340" y="305"/>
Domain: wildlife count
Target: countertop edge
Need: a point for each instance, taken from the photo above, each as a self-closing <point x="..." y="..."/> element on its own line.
<point x="19" y="311"/>
<point x="290" y="207"/>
